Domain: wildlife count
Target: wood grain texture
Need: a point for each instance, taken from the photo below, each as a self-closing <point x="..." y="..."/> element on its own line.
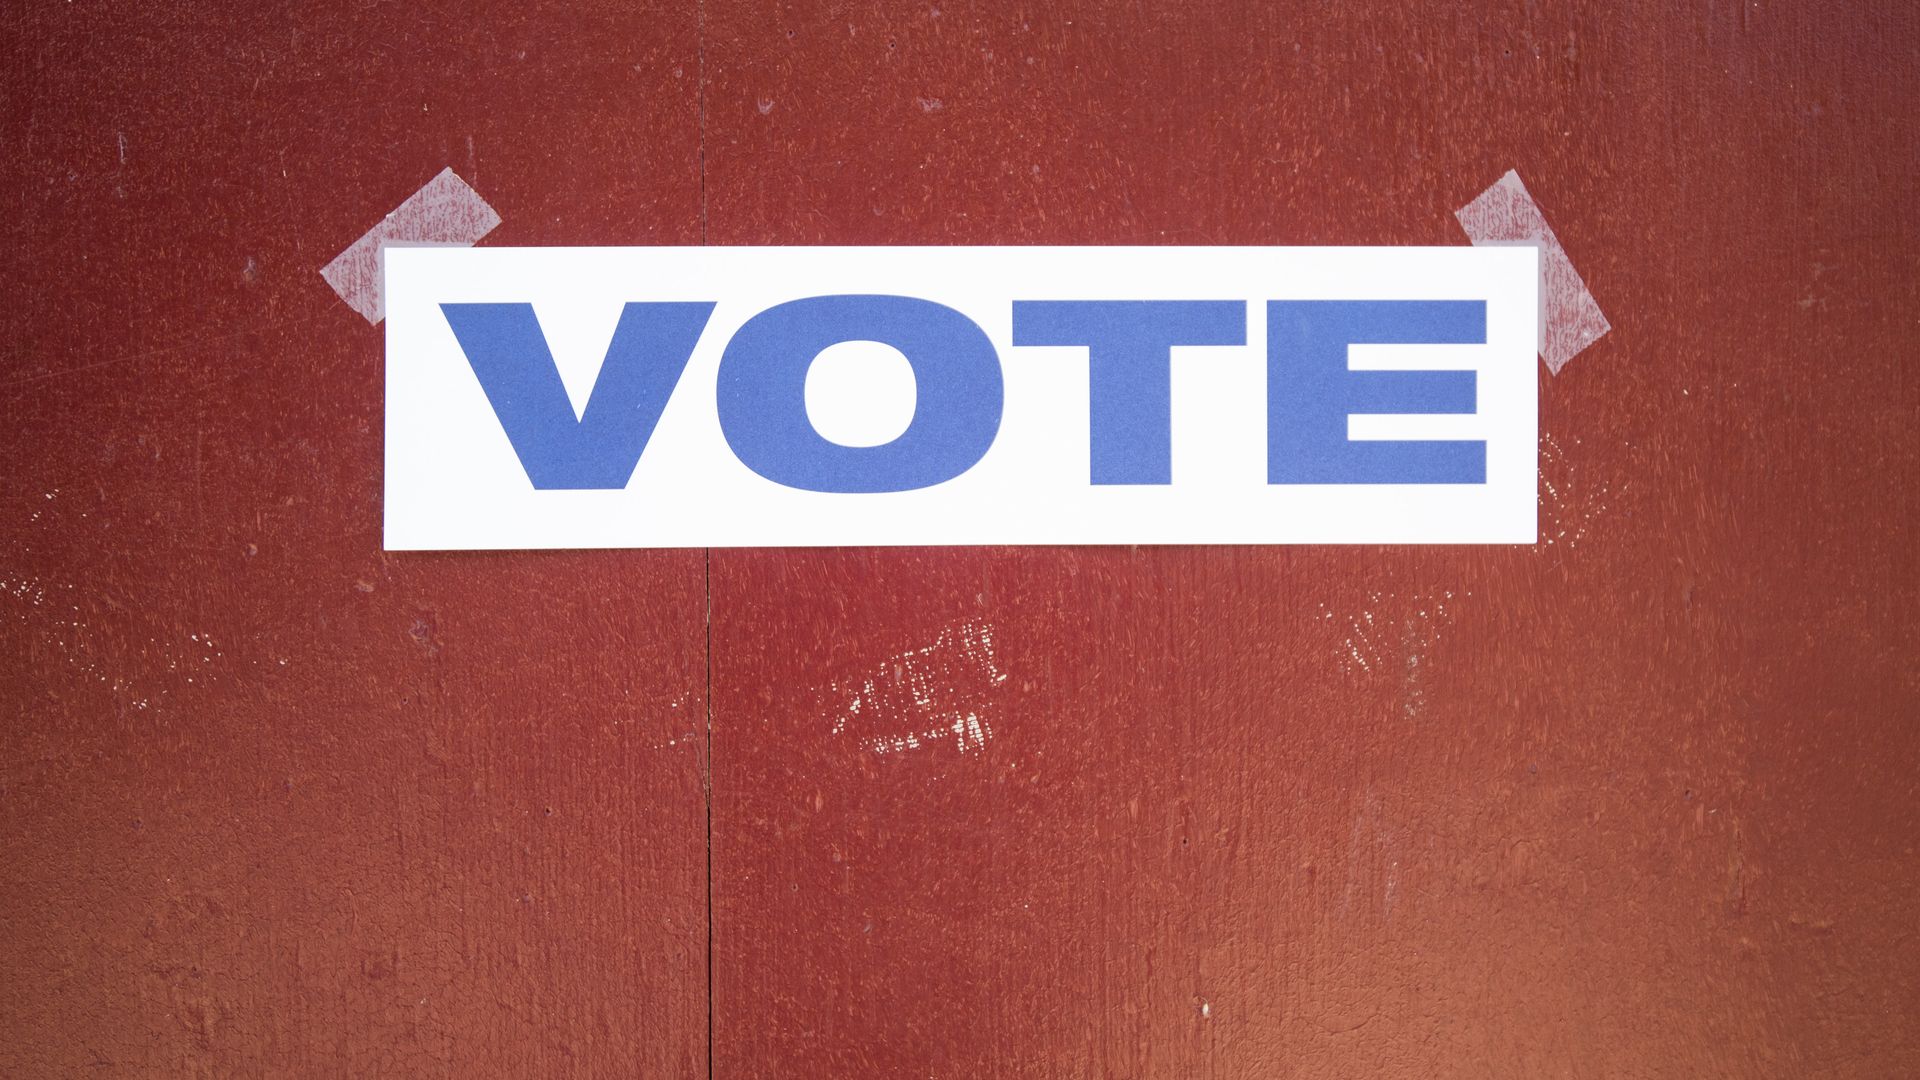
<point x="272" y="802"/>
<point x="1639" y="801"/>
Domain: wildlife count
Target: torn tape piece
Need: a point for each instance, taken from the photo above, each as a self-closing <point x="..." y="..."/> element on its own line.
<point x="1570" y="318"/>
<point x="444" y="212"/>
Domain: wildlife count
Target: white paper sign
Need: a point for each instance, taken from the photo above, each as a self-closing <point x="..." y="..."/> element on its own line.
<point x="713" y="397"/>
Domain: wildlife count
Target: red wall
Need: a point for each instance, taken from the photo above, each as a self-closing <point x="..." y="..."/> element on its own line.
<point x="1640" y="801"/>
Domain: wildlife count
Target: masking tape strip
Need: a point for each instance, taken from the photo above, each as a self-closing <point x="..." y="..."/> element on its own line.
<point x="1570" y="318"/>
<point x="445" y="212"/>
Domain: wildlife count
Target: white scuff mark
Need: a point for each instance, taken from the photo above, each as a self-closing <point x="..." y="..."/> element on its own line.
<point x="27" y="590"/>
<point x="1393" y="625"/>
<point x="1569" y="502"/>
<point x="86" y="652"/>
<point x="1373" y="849"/>
<point x="943" y="692"/>
<point x="1415" y="699"/>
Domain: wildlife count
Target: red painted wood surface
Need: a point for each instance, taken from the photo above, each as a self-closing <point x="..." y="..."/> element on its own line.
<point x="1639" y="801"/>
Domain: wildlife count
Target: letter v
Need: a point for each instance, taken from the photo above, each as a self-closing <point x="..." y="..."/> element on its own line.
<point x="508" y="352"/>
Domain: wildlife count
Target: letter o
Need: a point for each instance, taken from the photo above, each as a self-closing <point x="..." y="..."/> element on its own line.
<point x="762" y="393"/>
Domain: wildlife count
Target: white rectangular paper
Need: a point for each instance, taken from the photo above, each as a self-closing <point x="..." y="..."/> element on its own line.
<point x="454" y="479"/>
